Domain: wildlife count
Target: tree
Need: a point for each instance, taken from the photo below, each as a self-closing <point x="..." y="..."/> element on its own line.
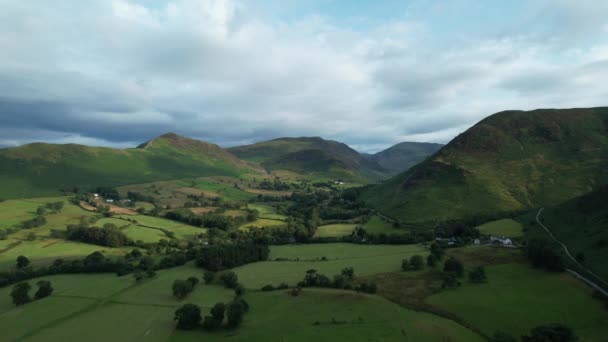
<point x="348" y="273"/>
<point x="454" y="266"/>
<point x="208" y="277"/>
<point x="20" y="294"/>
<point x="239" y="290"/>
<point x="188" y="316"/>
<point x="431" y="260"/>
<point x="40" y="211"/>
<point x="416" y="262"/>
<point x="550" y="333"/>
<point x="478" y="275"/>
<point x="449" y="281"/>
<point x="236" y="311"/>
<point x="193" y="281"/>
<point x="437" y="250"/>
<point x="229" y="279"/>
<point x="542" y="255"/>
<point x="181" y="288"/>
<point x="218" y="311"/>
<point x="44" y="289"/>
<point x="22" y="262"/>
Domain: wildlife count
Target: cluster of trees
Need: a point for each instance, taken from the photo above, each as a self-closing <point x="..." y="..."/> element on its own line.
<point x="415" y="263"/>
<point x="21" y="292"/>
<point x="212" y="219"/>
<point x="542" y="255"/>
<point x="54" y="207"/>
<point x="189" y="315"/>
<point x="220" y="257"/>
<point x="344" y="280"/>
<point x="181" y="288"/>
<point x="109" y="235"/>
<point x="37" y="221"/>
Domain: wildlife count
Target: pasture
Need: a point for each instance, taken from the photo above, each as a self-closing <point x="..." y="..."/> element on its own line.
<point x="377" y="225"/>
<point x="105" y="307"/>
<point x="266" y="211"/>
<point x="47" y="250"/>
<point x="503" y="227"/>
<point x="366" y="260"/>
<point x="335" y="230"/>
<point x="262" y="223"/>
<point x="517" y="298"/>
<point x="331" y="315"/>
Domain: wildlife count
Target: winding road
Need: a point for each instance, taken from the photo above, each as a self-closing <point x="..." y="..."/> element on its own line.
<point x="576" y="274"/>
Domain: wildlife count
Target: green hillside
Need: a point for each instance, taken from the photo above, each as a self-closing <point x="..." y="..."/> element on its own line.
<point x="582" y="225"/>
<point x="401" y="157"/>
<point x="509" y="161"/>
<point x="314" y="156"/>
<point x="40" y="169"/>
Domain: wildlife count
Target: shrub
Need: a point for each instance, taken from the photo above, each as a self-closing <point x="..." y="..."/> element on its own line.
<point x="20" y="294"/>
<point x="44" y="289"/>
<point x="268" y="287"/>
<point x="229" y="279"/>
<point x="454" y="266"/>
<point x="478" y="275"/>
<point x="208" y="277"/>
<point x="188" y="316"/>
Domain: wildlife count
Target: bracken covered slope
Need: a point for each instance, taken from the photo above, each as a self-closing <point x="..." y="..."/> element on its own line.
<point x="509" y="161"/>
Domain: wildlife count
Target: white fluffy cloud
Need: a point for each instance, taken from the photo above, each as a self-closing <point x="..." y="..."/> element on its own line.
<point x="118" y="72"/>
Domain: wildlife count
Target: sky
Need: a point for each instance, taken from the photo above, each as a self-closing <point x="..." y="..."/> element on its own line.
<point x="368" y="73"/>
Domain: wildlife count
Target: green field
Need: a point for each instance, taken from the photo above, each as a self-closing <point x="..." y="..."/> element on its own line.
<point x="226" y="190"/>
<point x="376" y="225"/>
<point x="366" y="259"/>
<point x="276" y="316"/>
<point x="44" y="251"/>
<point x="13" y="212"/>
<point x="181" y="230"/>
<point x="335" y="230"/>
<point x="503" y="227"/>
<point x="517" y="298"/>
<point x="267" y="211"/>
<point x="105" y="307"/>
<point x="262" y="223"/>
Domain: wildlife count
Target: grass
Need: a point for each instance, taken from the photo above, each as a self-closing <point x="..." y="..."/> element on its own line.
<point x="267" y="211"/>
<point x="43" y="251"/>
<point x="181" y="230"/>
<point x="335" y="230"/>
<point x="105" y="307"/>
<point x="377" y="225"/>
<point x="226" y="190"/>
<point x="503" y="227"/>
<point x="517" y="298"/>
<point x="13" y="212"/>
<point x="366" y="259"/>
<point x="276" y="316"/>
<point x="262" y="223"/>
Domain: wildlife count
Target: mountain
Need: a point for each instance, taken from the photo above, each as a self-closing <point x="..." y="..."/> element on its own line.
<point x="41" y="169"/>
<point x="311" y="156"/>
<point x="509" y="161"/>
<point x="401" y="157"/>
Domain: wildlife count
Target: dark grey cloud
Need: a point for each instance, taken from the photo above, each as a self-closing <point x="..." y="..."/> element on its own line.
<point x="118" y="73"/>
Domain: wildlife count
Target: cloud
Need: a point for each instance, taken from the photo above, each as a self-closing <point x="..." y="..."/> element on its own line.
<point x="120" y="72"/>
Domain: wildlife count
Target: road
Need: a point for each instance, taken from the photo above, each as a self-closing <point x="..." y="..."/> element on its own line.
<point x="576" y="274"/>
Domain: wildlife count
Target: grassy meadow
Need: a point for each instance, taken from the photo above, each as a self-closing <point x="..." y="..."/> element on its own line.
<point x="335" y="230"/>
<point x="365" y="259"/>
<point x="502" y="227"/>
<point x="517" y="298"/>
